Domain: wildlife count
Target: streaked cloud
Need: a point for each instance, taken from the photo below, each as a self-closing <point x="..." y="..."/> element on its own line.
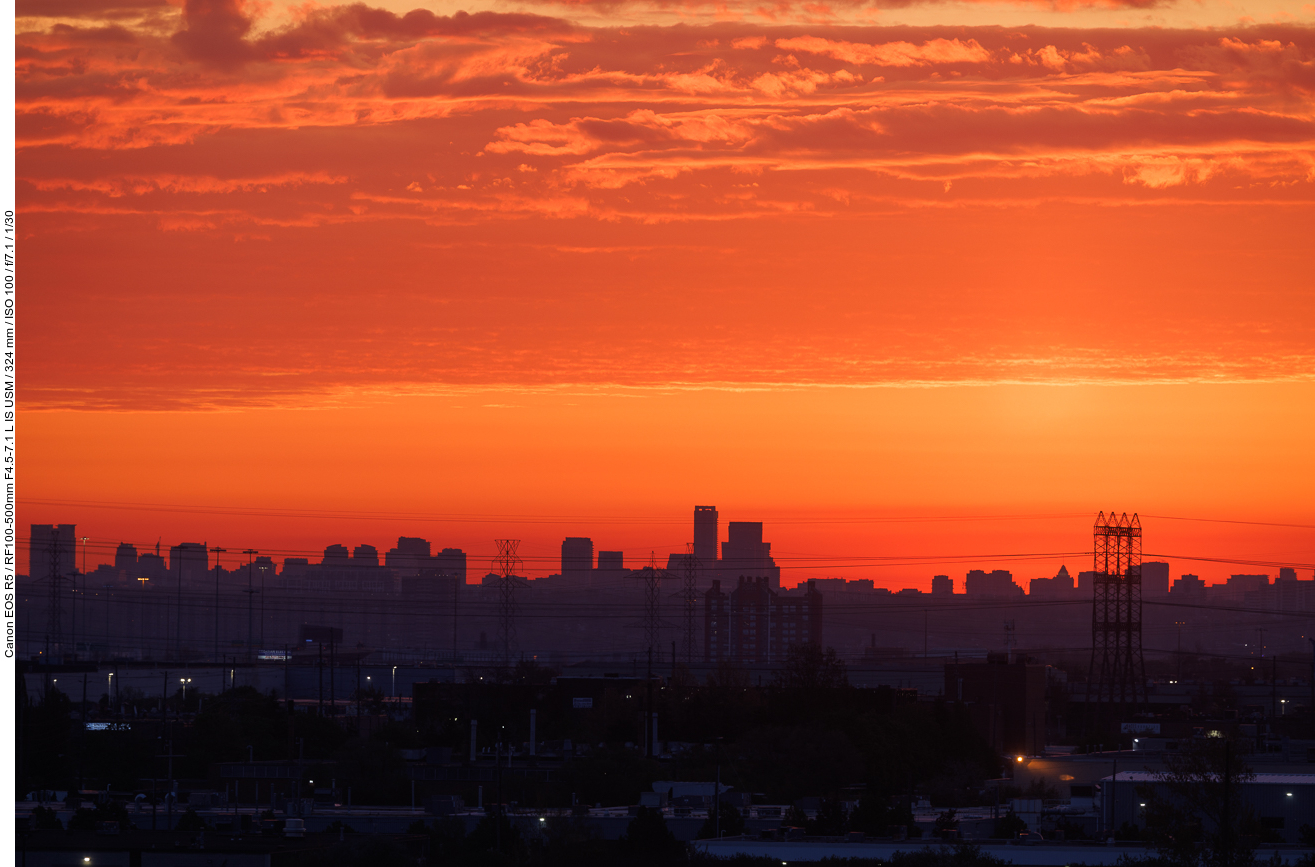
<point x="529" y="202"/>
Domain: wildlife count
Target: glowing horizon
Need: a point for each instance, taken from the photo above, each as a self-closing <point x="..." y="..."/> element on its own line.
<point x="615" y="257"/>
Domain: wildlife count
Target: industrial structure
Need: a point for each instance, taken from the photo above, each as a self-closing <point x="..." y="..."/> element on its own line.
<point x="1116" y="684"/>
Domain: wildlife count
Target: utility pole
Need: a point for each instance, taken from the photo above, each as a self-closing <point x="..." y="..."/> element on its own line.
<point x="1226" y="820"/>
<point x="648" y="735"/>
<point x="251" y="553"/>
<point x="178" y="614"/>
<point x="1273" y="686"/>
<point x="217" y="552"/>
<point x="76" y="597"/>
<point x="54" y="609"/>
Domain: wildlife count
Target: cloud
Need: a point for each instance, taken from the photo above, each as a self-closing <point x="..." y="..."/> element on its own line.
<point x="934" y="51"/>
<point x="214" y="31"/>
<point x="84" y="8"/>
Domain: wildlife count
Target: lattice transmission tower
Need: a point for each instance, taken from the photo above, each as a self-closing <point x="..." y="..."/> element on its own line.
<point x="1116" y="683"/>
<point x="507" y="564"/>
<point x="690" y="596"/>
<point x="652" y="597"/>
<point x="55" y="607"/>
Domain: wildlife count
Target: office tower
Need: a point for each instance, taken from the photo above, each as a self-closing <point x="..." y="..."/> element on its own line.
<point x="190" y="562"/>
<point x="335" y="555"/>
<point x="996" y="584"/>
<point x="577" y="557"/>
<point x="744" y="553"/>
<point x="125" y="559"/>
<point x="1059" y="587"/>
<point x="151" y="567"/>
<point x="705" y="537"/>
<point x="1188" y="587"/>
<point x="365" y="555"/>
<point x="451" y="563"/>
<point x="942" y="585"/>
<point x="1155" y="579"/>
<point x="409" y="557"/>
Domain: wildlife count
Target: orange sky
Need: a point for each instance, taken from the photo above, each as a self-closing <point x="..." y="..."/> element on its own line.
<point x="302" y="274"/>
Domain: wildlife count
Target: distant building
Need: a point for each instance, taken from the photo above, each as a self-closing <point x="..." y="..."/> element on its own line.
<point x="1238" y="586"/>
<point x="189" y="562"/>
<point x="1087" y="583"/>
<point x="1188" y="587"/>
<point x="1154" y="579"/>
<point x="1059" y="587"/>
<point x="1006" y="701"/>
<point x="577" y="557"/>
<point x="365" y="555"/>
<point x="744" y="553"/>
<point x="610" y="564"/>
<point x="409" y="557"/>
<point x="755" y="624"/>
<point x="125" y="559"/>
<point x="335" y="555"/>
<point x="151" y="567"/>
<point x="450" y="563"/>
<point x="705" y="537"/>
<point x="998" y="584"/>
<point x="716" y="624"/>
<point x="942" y="585"/>
<point x="1286" y="573"/>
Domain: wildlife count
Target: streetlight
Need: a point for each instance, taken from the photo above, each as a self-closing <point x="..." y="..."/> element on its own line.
<point x="394" y="681"/>
<point x="84" y="593"/>
<point x="184" y="681"/>
<point x="250" y="552"/>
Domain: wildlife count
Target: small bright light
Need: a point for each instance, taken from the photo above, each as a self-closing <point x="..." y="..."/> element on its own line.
<point x="1143" y="805"/>
<point x="541" y="819"/>
<point x="1289" y="794"/>
<point x="1018" y="758"/>
<point x="86" y="860"/>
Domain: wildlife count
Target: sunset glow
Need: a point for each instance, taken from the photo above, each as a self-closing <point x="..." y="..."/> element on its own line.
<point x="300" y="274"/>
